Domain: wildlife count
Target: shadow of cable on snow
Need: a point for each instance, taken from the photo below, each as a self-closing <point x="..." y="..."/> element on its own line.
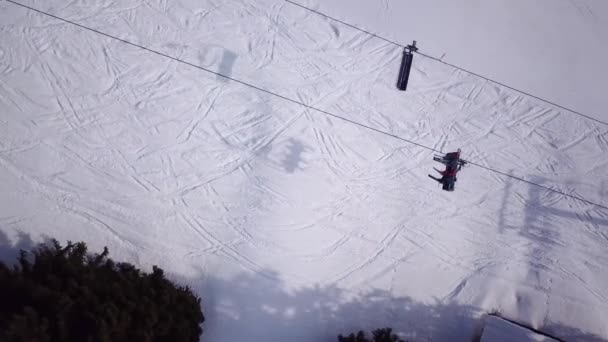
<point x="255" y="308"/>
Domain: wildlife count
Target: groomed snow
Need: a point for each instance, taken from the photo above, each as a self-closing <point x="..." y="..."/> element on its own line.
<point x="287" y="222"/>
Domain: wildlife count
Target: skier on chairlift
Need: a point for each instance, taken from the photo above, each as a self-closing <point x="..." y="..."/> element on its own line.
<point x="453" y="164"/>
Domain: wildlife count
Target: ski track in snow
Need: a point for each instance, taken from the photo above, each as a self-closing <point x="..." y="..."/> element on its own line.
<point x="170" y="165"/>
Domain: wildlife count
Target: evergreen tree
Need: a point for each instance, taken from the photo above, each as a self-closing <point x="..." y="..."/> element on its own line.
<point x="379" y="335"/>
<point x="64" y="294"/>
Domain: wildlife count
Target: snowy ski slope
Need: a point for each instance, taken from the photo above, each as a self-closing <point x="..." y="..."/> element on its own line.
<point x="555" y="49"/>
<point x="288" y="222"/>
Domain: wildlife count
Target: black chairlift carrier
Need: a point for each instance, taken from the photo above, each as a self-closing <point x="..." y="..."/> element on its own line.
<point x="406" y="66"/>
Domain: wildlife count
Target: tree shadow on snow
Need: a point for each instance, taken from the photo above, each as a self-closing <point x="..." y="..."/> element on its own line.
<point x="256" y="308"/>
<point x="259" y="307"/>
<point x="253" y="307"/>
<point x="10" y="250"/>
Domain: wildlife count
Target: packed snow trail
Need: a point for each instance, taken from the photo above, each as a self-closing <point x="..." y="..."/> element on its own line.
<point x="215" y="182"/>
<point x="552" y="49"/>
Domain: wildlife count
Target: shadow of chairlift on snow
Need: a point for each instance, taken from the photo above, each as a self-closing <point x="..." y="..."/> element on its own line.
<point x="293" y="158"/>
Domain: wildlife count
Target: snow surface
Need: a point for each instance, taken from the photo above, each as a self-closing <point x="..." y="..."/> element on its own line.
<point x="287" y="222"/>
<point x="555" y="49"/>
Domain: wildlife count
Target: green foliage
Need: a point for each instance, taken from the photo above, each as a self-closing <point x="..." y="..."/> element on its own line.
<point x="379" y="335"/>
<point x="64" y="294"/>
